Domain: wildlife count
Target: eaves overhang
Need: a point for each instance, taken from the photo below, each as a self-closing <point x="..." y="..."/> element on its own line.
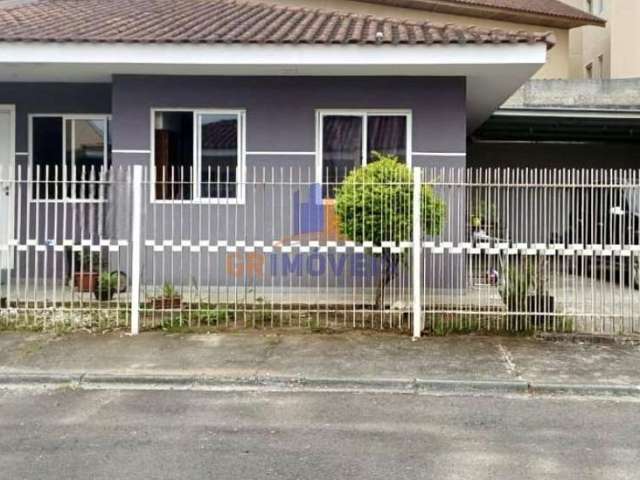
<point x="492" y="71"/>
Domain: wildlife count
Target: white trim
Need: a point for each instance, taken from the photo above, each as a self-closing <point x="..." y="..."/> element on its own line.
<point x="281" y="153"/>
<point x="141" y="152"/>
<point x="132" y="54"/>
<point x="197" y="113"/>
<point x="322" y="112"/>
<point x="439" y="154"/>
<point x="22" y="154"/>
<point x="11" y="108"/>
<point x="106" y="117"/>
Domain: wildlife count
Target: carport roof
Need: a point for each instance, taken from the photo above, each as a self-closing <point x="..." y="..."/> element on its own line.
<point x="566" y="126"/>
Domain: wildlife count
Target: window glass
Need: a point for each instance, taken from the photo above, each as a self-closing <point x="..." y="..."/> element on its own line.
<point x="341" y="149"/>
<point x="173" y="155"/>
<point x="342" y="143"/>
<point x="218" y="155"/>
<point x="69" y="156"/>
<point x="387" y="134"/>
<point x="46" y="153"/>
<point x="85" y="156"/>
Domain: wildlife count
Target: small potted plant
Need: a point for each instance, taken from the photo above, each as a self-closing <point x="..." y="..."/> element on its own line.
<point x="106" y="286"/>
<point x="170" y="299"/>
<point x="86" y="276"/>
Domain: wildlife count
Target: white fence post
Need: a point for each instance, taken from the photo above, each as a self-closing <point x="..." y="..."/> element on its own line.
<point x="136" y="223"/>
<point x="416" y="257"/>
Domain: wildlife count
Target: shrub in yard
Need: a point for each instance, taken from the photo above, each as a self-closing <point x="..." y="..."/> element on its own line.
<point x="374" y="204"/>
<point x="108" y="284"/>
<point x="517" y="283"/>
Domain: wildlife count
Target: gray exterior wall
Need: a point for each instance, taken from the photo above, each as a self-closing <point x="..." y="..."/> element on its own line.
<point x="281" y="110"/>
<point x="280" y="116"/>
<point x="30" y="98"/>
<point x="41" y="98"/>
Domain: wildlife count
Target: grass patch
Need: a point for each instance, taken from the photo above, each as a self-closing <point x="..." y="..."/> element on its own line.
<point x="448" y="325"/>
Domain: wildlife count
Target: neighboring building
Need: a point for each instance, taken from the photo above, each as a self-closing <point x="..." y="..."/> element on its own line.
<point x="611" y="52"/>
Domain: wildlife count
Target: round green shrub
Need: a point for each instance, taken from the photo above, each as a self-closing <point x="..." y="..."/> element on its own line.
<point x="374" y="203"/>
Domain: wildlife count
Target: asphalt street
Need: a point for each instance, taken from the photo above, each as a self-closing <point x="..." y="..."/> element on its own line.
<point x="112" y="434"/>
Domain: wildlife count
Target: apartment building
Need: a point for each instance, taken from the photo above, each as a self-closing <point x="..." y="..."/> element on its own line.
<point x="610" y="52"/>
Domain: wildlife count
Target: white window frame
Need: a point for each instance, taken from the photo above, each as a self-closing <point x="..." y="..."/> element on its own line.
<point x="197" y="115"/>
<point x="64" y="117"/>
<point x="364" y="113"/>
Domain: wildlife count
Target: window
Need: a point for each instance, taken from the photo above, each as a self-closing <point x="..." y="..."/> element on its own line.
<point x="346" y="140"/>
<point x="69" y="154"/>
<point x="590" y="6"/>
<point x="198" y="155"/>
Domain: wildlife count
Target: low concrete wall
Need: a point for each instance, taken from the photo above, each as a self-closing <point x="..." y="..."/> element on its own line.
<point x="578" y="94"/>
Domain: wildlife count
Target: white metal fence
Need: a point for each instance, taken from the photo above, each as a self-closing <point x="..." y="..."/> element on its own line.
<point x="518" y="250"/>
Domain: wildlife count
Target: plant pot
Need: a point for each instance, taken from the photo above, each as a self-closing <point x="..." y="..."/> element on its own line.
<point x="103" y="295"/>
<point x="85" y="281"/>
<point x="166" y="303"/>
<point x="538" y="305"/>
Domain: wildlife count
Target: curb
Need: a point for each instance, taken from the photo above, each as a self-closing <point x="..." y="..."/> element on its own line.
<point x="133" y="380"/>
<point x="584" y="389"/>
<point x="37" y="378"/>
<point x="102" y="381"/>
<point x="471" y="386"/>
<point x="593" y="339"/>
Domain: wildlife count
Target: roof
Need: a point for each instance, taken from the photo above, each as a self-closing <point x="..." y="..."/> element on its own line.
<point x="550" y="13"/>
<point x="227" y="21"/>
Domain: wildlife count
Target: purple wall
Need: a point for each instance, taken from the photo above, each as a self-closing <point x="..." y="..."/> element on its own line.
<point x="30" y="98"/>
<point x="34" y="98"/>
<point x="281" y="110"/>
<point x="280" y="117"/>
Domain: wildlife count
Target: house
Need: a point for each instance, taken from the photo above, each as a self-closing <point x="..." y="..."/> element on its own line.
<point x="211" y="95"/>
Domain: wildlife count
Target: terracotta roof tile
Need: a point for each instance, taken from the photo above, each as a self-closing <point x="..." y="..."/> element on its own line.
<point x="226" y="21"/>
<point x="535" y="12"/>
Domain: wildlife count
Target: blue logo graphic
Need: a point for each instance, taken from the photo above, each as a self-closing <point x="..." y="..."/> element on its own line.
<point x="309" y="216"/>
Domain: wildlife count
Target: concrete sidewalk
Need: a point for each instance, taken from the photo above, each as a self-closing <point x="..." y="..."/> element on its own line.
<point x="294" y="358"/>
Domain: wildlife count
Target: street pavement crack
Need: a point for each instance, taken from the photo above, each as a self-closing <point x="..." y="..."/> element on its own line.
<point x="508" y="362"/>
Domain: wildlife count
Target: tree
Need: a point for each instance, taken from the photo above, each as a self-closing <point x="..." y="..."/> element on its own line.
<point x="374" y="205"/>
